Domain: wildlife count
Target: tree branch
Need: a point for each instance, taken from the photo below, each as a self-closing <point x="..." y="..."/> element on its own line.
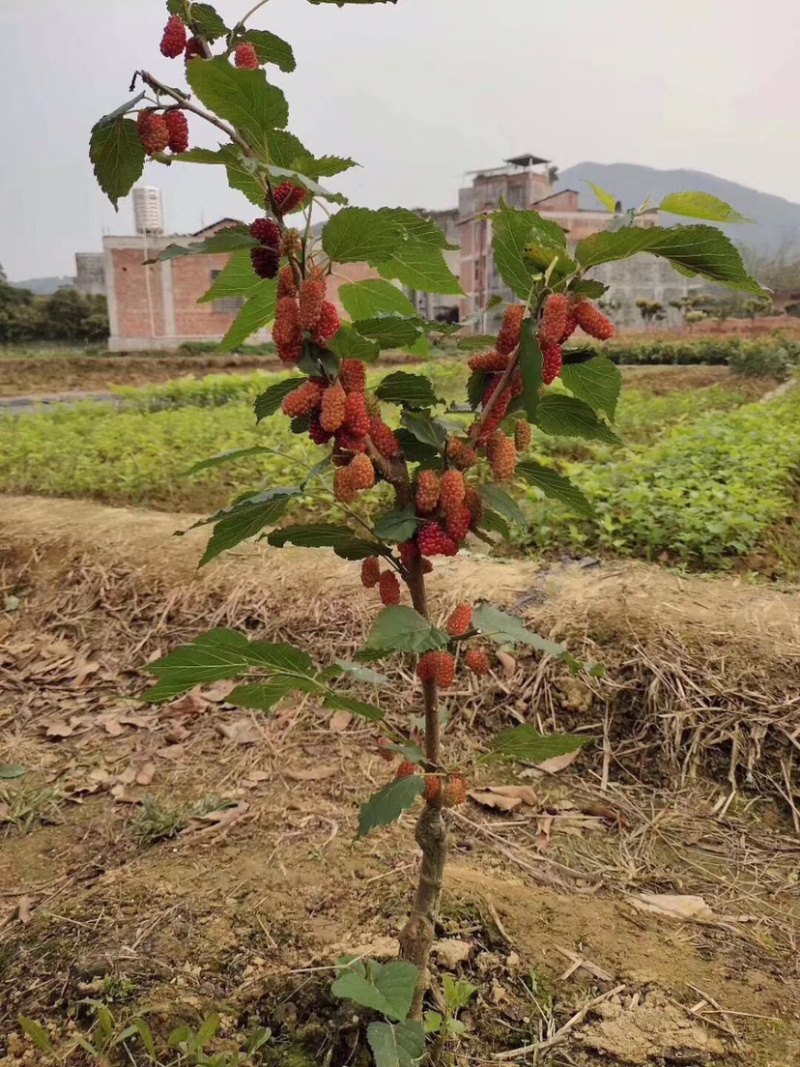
<point x="486" y="411"/>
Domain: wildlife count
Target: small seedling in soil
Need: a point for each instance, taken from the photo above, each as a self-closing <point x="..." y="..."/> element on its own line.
<point x="448" y="475"/>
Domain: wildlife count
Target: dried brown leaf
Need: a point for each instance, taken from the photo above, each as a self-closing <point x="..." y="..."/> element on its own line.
<point x="310" y="774"/>
<point x="339" y="721"/>
<point x="241" y="732"/>
<point x="218" y="692"/>
<point x="192" y="703"/>
<point x="558" y="763"/>
<point x="173" y="752"/>
<point x="146" y="774"/>
<point x="690" y="908"/>
<point x="24" y="910"/>
<point x="507" y="662"/>
<point x="58" y="728"/>
<point x="217" y="820"/>
<point x="494" y="800"/>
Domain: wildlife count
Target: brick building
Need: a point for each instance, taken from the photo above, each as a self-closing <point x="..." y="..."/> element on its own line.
<point x="155" y="306"/>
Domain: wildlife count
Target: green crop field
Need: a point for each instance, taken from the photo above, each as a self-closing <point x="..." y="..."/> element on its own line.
<point x="703" y="474"/>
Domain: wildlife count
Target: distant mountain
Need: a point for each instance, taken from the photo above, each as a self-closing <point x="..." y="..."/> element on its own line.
<point x="778" y="220"/>
<point x="45" y="286"/>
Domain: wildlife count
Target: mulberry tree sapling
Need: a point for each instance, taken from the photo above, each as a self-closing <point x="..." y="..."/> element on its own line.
<point x="442" y="469"/>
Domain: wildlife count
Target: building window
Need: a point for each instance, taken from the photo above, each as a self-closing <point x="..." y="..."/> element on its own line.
<point x="227" y="305"/>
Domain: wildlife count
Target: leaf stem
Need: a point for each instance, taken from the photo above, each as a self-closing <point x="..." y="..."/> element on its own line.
<point x="250" y="13"/>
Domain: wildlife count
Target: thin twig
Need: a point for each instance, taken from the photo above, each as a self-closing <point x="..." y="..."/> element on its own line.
<point x="559" y="1035"/>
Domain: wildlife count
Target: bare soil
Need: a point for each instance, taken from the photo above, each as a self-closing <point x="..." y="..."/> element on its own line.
<point x="690" y="790"/>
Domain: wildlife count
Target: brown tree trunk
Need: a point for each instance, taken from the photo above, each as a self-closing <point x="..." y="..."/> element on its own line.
<point x="416" y="938"/>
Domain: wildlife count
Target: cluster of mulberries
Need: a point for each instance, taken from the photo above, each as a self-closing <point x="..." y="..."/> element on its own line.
<point x="176" y="41"/>
<point x="450" y="792"/>
<point x="450" y="507"/>
<point x="298" y="311"/>
<point x="158" y="132"/>
<point x="561" y="317"/>
<point x="493" y="365"/>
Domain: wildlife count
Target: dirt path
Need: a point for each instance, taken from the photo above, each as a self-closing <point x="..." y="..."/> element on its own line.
<point x="95" y="900"/>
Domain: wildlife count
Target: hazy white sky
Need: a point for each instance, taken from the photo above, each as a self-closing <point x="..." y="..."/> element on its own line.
<point x="417" y="92"/>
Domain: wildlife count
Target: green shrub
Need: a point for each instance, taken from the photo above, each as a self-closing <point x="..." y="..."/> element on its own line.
<point x="710" y="351"/>
<point x="758" y="361"/>
<point x="704" y="490"/>
<point x="211" y="348"/>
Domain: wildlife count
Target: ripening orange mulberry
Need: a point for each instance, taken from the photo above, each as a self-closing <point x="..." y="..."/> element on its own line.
<point x="522" y="435"/>
<point x="353" y="375"/>
<point x="370" y="572"/>
<point x="554" y="320"/>
<point x="286" y="332"/>
<point x="474" y="501"/>
<point x="153" y="132"/>
<point x="455" y="792"/>
<point x="405" y="769"/>
<point x="433" y="788"/>
<point x="457" y="523"/>
<point x="356" y="418"/>
<point x="553" y="363"/>
<point x="362" y="472"/>
<point x="502" y="456"/>
<point x="477" y="661"/>
<point x="389" y="588"/>
<point x="344" y="488"/>
<point x="174" y="40"/>
<point x="328" y="324"/>
<point x="452" y="489"/>
<point x="511" y="330"/>
<point x="246" y="57"/>
<point x="460" y="620"/>
<point x="427" y="496"/>
<point x="311" y="299"/>
<point x="592" y="320"/>
<point x="494" y="362"/>
<point x="461" y="455"/>
<point x="383" y="438"/>
<point x="286" y="284"/>
<point x="334" y="403"/>
<point x="303" y="400"/>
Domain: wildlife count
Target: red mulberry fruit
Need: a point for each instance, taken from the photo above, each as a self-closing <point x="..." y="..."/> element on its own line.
<point x="477" y="661"/>
<point x="357" y="419"/>
<point x="389" y="588"/>
<point x="452" y="489"/>
<point x="592" y="320"/>
<point x="288" y="197"/>
<point x="511" y="330"/>
<point x="370" y="572"/>
<point x="362" y="472"/>
<point x="350" y="442"/>
<point x="554" y="320"/>
<point x="353" y="375"/>
<point x="495" y="362"/>
<point x="316" y="433"/>
<point x="408" y="553"/>
<point x="334" y="402"/>
<point x="266" y="261"/>
<point x="302" y="401"/>
<point x="173" y="42"/>
<point x="312" y="297"/>
<point x="405" y="769"/>
<point x="455" y="792"/>
<point x="502" y="456"/>
<point x="246" y="57"/>
<point x="458" y="522"/>
<point x="570" y="327"/>
<point x="153" y="132"/>
<point x="383" y="439"/>
<point x="461" y="455"/>
<point x="428" y="489"/>
<point x="384" y="750"/>
<point x="460" y="621"/>
<point x="328" y="323"/>
<point x="433" y="788"/>
<point x="433" y="541"/>
<point x="268" y="232"/>
<point x="286" y="283"/>
<point x="194" y="49"/>
<point x="444" y="671"/>
<point x="553" y="362"/>
<point x="522" y="435"/>
<point x="178" y="127"/>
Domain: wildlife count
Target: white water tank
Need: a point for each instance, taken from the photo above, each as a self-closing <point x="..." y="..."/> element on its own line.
<point x="148" y="209"/>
